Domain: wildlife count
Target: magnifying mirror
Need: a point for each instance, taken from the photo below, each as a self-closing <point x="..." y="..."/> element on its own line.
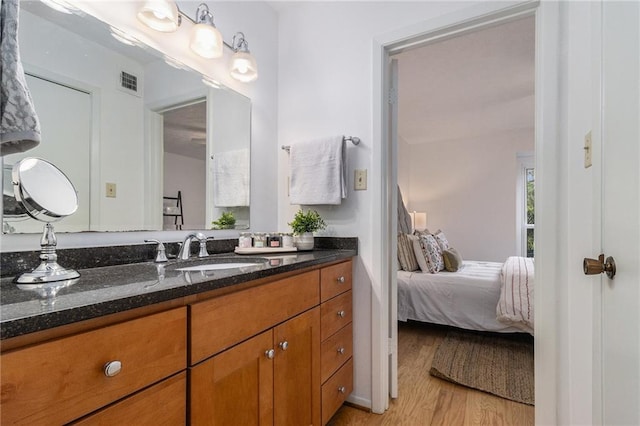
<point x="48" y="196"/>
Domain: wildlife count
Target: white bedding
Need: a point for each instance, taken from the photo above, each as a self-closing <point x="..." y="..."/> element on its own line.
<point x="465" y="299"/>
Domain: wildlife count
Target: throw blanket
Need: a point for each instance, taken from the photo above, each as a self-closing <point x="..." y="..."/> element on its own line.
<point x="515" y="306"/>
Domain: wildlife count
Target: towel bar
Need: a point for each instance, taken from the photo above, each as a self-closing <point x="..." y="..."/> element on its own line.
<point x="354" y="140"/>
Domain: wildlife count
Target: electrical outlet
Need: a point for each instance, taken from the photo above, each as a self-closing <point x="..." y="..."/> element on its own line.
<point x="360" y="181"/>
<point x="111" y="190"/>
<point x="588" y="150"/>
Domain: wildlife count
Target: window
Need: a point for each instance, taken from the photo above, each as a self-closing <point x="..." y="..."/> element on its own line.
<point x="526" y="205"/>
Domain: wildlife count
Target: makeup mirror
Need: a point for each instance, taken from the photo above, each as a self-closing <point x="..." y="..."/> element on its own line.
<point x="47" y="195"/>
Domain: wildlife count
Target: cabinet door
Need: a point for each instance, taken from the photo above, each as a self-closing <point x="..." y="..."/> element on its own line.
<point x="297" y="370"/>
<point x="235" y="387"/>
<point x="163" y="404"/>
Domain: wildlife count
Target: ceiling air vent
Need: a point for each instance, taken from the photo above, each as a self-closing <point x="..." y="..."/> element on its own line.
<point x="130" y="83"/>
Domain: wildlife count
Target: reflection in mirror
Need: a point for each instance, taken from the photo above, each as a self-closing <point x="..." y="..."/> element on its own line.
<point x="101" y="105"/>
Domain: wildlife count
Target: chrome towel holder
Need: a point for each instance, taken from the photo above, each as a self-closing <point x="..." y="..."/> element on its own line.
<point x="353" y="139"/>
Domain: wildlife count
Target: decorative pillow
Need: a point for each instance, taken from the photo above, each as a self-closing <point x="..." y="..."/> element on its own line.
<point x="421" y="233"/>
<point x="417" y="250"/>
<point x="452" y="259"/>
<point x="406" y="256"/>
<point x="432" y="253"/>
<point x="442" y="240"/>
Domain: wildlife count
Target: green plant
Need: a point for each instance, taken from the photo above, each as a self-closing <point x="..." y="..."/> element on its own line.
<point x="225" y="221"/>
<point x="306" y="222"/>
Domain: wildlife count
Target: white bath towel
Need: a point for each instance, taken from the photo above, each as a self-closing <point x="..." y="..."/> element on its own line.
<point x="318" y="172"/>
<point x="231" y="178"/>
<point x="19" y="126"/>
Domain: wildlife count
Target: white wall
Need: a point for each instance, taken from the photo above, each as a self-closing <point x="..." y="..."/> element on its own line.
<point x="468" y="189"/>
<point x="188" y="175"/>
<point x="325" y="88"/>
<point x="259" y="23"/>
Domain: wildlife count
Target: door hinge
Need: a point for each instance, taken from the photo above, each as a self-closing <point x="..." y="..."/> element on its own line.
<point x="392" y="346"/>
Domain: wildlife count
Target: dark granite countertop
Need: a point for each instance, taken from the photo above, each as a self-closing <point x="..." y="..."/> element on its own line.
<point x="106" y="290"/>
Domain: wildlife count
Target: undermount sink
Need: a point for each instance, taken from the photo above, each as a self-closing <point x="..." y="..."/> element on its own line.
<point x="217" y="266"/>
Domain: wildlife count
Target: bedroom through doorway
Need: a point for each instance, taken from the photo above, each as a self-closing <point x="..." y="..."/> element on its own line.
<point x="465" y="170"/>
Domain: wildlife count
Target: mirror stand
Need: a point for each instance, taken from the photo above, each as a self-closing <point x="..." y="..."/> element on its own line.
<point x="49" y="270"/>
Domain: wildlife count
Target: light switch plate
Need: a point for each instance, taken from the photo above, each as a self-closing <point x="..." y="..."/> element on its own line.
<point x="111" y="190"/>
<point x="360" y="180"/>
<point x="588" y="150"/>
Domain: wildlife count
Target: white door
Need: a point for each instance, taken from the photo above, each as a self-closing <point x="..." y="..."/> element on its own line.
<point x="621" y="212"/>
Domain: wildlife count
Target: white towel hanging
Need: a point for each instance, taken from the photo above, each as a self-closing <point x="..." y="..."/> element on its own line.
<point x="318" y="172"/>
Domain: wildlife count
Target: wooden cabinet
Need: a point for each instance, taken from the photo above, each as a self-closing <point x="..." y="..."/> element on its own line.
<point x="278" y="353"/>
<point x="160" y="405"/>
<point x="61" y="380"/>
<point x="337" y="337"/>
<point x="272" y="378"/>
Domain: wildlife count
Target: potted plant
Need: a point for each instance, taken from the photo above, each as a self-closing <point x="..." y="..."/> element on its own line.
<point x="303" y="225"/>
<point x="225" y="221"/>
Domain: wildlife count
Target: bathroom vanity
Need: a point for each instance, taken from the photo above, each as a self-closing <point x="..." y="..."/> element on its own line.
<point x="269" y="343"/>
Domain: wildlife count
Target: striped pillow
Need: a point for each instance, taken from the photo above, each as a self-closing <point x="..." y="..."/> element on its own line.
<point x="406" y="256"/>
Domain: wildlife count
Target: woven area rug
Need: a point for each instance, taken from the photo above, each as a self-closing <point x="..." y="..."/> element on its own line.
<point x="500" y="365"/>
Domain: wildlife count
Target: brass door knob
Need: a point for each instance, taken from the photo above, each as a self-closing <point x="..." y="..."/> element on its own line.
<point x="600" y="265"/>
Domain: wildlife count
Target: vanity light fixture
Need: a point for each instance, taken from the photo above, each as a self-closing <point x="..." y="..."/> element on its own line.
<point x="160" y="15"/>
<point x="205" y="40"/>
<point x="243" y="65"/>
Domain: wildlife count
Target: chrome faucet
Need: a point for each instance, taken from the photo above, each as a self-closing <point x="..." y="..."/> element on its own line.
<point x="185" y="248"/>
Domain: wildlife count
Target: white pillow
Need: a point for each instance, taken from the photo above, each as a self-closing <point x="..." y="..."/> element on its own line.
<point x="417" y="250"/>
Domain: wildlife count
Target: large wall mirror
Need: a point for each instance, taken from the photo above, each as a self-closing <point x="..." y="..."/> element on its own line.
<point x="147" y="144"/>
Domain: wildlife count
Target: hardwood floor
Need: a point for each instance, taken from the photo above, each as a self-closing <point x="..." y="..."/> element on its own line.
<point x="427" y="400"/>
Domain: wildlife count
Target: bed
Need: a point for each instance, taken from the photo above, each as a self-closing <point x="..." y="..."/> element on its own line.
<point x="464" y="299"/>
<point x="482" y="296"/>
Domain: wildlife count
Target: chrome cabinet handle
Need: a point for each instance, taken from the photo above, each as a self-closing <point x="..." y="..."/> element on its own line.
<point x="270" y="353"/>
<point x="341" y="279"/>
<point x="341" y="314"/>
<point x="112" y="368"/>
<point x="284" y="345"/>
<point x="341" y="351"/>
<point x="342" y="389"/>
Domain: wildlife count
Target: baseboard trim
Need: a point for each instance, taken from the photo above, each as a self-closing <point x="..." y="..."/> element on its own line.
<point x="359" y="403"/>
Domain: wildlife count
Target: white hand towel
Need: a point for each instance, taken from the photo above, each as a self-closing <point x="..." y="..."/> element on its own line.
<point x="318" y="172"/>
<point x="19" y="126"/>
<point x="231" y="178"/>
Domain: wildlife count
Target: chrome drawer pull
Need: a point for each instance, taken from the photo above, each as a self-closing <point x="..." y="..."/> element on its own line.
<point x="341" y="279"/>
<point x="341" y="351"/>
<point x="341" y="314"/>
<point x="270" y="353"/>
<point x="112" y="368"/>
<point x="342" y="389"/>
<point x="284" y="345"/>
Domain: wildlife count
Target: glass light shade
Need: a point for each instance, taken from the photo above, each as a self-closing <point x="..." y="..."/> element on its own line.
<point x="244" y="67"/>
<point x="160" y="15"/>
<point x="206" y="41"/>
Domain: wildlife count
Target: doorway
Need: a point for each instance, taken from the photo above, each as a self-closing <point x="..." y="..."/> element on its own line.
<point x="185" y="165"/>
<point x="546" y="146"/>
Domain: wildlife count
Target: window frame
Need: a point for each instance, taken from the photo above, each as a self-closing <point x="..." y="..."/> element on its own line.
<point x="525" y="161"/>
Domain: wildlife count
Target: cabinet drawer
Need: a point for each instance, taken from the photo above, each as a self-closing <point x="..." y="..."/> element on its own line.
<point x="335" y="279"/>
<point x="336" y="390"/>
<point x="335" y="351"/>
<point x="59" y="381"/>
<point x="161" y="404"/>
<point x="219" y="323"/>
<point x="335" y="314"/>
